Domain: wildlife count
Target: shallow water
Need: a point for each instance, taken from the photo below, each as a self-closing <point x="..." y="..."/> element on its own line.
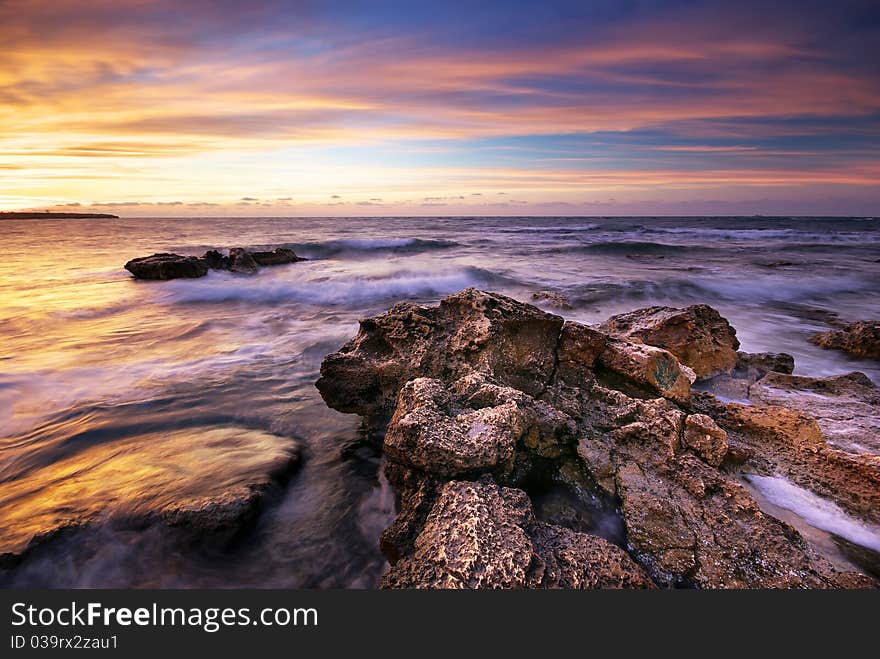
<point x="94" y="364"/>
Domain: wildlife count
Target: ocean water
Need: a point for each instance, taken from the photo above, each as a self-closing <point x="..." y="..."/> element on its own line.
<point x="115" y="391"/>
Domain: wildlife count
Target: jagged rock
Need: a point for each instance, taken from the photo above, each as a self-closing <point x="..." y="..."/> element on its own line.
<point x="782" y="441"/>
<point x="861" y="339"/>
<point x="468" y="332"/>
<point x="846" y="407"/>
<point x="552" y="299"/>
<point x="216" y="260"/>
<point x="241" y="261"/>
<point x="470" y="428"/>
<point x="705" y="438"/>
<point x="494" y="369"/>
<point x="279" y="256"/>
<point x="480" y="535"/>
<point x="167" y="266"/>
<point x="651" y="367"/>
<point x="172" y="266"/>
<point x="697" y="335"/>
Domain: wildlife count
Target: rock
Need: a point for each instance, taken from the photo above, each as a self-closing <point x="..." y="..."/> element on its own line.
<point x="648" y="366"/>
<point x="167" y="266"/>
<point x="552" y="299"/>
<point x="429" y="432"/>
<point x="757" y="365"/>
<point x="846" y="407"/>
<point x="861" y="339"/>
<point x="469" y="332"/>
<point x="216" y="260"/>
<point x="241" y="261"/>
<point x="279" y="256"/>
<point x="172" y="266"/>
<point x="479" y="535"/>
<point x="484" y="387"/>
<point x="705" y="438"/>
<point x="697" y="335"/>
<point x="782" y="441"/>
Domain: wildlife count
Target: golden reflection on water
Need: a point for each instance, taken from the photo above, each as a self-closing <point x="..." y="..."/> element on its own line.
<point x="141" y="475"/>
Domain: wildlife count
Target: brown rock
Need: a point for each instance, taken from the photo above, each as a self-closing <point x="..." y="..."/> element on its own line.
<point x="846" y="407"/>
<point x="861" y="339"/>
<point x="505" y="377"/>
<point x="479" y="535"/>
<point x="653" y="368"/>
<point x="697" y="335"/>
<point x="470" y="331"/>
<point x="705" y="438"/>
<point x="757" y="364"/>
<point x="167" y="266"/>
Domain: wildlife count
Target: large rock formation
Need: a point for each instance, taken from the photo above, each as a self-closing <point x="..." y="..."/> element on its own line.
<point x="861" y="339"/>
<point x="487" y="406"/>
<point x="167" y="266"/>
<point x="697" y="335"/>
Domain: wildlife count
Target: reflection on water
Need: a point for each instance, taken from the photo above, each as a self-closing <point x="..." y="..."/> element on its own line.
<point x="119" y="396"/>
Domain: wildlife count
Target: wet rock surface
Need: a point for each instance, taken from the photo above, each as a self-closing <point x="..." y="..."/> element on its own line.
<point x="167" y="266"/>
<point x="860" y="339"/>
<point x="527" y="451"/>
<point x="238" y="260"/>
<point x="207" y="484"/>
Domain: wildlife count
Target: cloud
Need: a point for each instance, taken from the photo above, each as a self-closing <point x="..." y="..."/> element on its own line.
<point x="184" y="101"/>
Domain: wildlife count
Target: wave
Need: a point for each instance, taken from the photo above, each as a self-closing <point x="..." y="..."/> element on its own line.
<point x="336" y="289"/>
<point x="354" y="246"/>
<point x="741" y="290"/>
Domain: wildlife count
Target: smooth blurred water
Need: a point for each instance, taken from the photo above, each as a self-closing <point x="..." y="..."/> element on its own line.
<point x="94" y="363"/>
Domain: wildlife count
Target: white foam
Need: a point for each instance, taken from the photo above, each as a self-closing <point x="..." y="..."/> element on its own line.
<point x="320" y="287"/>
<point x="816" y="511"/>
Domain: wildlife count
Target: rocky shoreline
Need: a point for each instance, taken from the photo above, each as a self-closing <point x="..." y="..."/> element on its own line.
<point x="527" y="451"/>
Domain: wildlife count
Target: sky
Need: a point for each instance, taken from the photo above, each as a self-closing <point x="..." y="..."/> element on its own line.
<point x="212" y="108"/>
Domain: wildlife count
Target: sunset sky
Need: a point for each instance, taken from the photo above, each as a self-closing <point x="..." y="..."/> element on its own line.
<point x="161" y="107"/>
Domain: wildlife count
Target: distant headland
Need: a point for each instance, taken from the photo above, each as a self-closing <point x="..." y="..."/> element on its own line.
<point x="30" y="215"/>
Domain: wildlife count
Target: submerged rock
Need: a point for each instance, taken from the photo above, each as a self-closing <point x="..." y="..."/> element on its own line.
<point x="697" y="335"/>
<point x="167" y="266"/>
<point x="755" y="365"/>
<point x="552" y="299"/>
<point x="206" y="482"/>
<point x="861" y="339"/>
<point x="279" y="256"/>
<point x="484" y="387"/>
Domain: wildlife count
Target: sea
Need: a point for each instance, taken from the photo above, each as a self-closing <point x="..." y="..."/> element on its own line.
<point x="118" y="395"/>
